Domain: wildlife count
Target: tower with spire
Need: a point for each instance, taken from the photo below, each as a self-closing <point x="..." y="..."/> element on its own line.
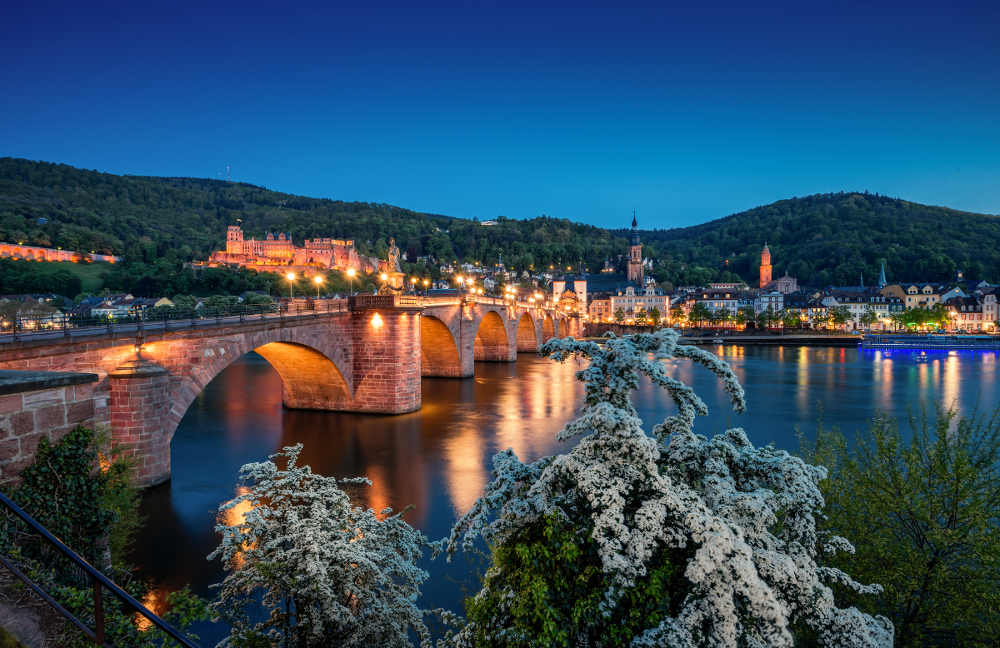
<point x="882" y="283"/>
<point x="635" y="269"/>
<point x="765" y="266"/>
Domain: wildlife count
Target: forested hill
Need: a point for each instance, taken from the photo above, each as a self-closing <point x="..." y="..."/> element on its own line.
<point x="146" y="218"/>
<point x="833" y="238"/>
<point x="821" y="239"/>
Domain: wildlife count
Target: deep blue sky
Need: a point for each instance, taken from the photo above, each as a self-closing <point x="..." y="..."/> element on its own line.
<point x="491" y="108"/>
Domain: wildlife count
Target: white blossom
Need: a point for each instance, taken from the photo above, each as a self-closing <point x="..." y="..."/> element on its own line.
<point x="748" y="514"/>
<point x="328" y="573"/>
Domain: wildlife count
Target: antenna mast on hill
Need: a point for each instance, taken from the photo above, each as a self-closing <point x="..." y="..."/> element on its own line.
<point x="227" y="173"/>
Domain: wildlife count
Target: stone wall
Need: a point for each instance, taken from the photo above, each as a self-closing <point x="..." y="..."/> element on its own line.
<point x="35" y="404"/>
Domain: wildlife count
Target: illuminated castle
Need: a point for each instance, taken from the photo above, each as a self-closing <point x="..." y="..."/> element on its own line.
<point x="276" y="253"/>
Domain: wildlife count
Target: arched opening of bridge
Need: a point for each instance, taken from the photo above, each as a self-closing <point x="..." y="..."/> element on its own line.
<point x="526" y="337"/>
<point x="563" y="328"/>
<point x="309" y="379"/>
<point x="438" y="350"/>
<point x="548" y="328"/>
<point x="491" y="343"/>
<point x="148" y="402"/>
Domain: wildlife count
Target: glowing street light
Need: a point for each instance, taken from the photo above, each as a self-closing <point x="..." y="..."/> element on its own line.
<point x="318" y="280"/>
<point x="350" y="275"/>
<point x="291" y="283"/>
<point x="427" y="282"/>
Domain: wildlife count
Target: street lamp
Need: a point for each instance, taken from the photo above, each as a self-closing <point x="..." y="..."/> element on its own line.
<point x="413" y="284"/>
<point x="318" y="280"/>
<point x="383" y="277"/>
<point x="350" y="276"/>
<point x="291" y="282"/>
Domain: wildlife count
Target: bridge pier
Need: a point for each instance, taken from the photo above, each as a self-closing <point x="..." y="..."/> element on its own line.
<point x="140" y="426"/>
<point x="386" y="367"/>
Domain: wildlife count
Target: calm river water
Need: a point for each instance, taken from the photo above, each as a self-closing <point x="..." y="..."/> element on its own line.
<point x="438" y="459"/>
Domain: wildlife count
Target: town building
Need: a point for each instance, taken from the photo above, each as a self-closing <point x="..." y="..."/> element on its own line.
<point x="861" y="300"/>
<point x="771" y="300"/>
<point x="916" y="295"/>
<point x="630" y="301"/>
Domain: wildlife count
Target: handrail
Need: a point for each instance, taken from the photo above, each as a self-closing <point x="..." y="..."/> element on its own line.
<point x="23" y="328"/>
<point x="69" y="326"/>
<point x="97" y="579"/>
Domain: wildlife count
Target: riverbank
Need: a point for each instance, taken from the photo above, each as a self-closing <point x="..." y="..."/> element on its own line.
<point x="776" y="340"/>
<point x="595" y="331"/>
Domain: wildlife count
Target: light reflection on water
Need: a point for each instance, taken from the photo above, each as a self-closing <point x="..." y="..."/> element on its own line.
<point x="437" y="460"/>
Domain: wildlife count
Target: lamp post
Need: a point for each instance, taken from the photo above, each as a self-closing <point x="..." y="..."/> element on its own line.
<point x="291" y="282"/>
<point x="383" y="277"/>
<point x="350" y="276"/>
<point x="427" y="283"/>
<point x="413" y="284"/>
<point x="318" y="280"/>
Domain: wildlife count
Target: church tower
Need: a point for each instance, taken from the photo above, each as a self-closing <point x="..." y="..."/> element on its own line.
<point x="635" y="269"/>
<point x="765" y="266"/>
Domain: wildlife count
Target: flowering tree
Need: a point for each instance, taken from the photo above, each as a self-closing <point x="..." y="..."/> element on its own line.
<point x="664" y="540"/>
<point x="328" y="573"/>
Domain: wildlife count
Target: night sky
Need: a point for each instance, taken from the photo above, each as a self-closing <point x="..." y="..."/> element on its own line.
<point x="499" y="109"/>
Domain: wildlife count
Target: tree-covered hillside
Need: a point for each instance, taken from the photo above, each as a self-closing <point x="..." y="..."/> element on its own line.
<point x="159" y="223"/>
<point x="147" y="218"/>
<point x="833" y="238"/>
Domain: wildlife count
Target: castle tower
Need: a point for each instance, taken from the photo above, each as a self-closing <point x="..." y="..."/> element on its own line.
<point x="635" y="270"/>
<point x="234" y="240"/>
<point x="881" y="277"/>
<point x="765" y="266"/>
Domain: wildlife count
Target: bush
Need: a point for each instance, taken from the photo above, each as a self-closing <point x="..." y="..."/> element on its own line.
<point x="90" y="503"/>
<point x="669" y="540"/>
<point x="922" y="506"/>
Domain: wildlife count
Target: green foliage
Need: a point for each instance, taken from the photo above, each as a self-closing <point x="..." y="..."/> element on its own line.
<point x="935" y="316"/>
<point x="921" y="508"/>
<point x="22" y="277"/>
<point x="700" y="313"/>
<point x="157" y="224"/>
<point x="8" y="640"/>
<point x="832" y="239"/>
<point x="66" y="492"/>
<point x="91" y="504"/>
<point x="556" y="568"/>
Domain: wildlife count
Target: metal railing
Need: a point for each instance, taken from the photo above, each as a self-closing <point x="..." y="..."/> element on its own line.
<point x="68" y="325"/>
<point x="141" y="321"/>
<point x="98" y="581"/>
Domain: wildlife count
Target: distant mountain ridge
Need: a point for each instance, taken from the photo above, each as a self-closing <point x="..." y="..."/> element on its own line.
<point x="822" y="239"/>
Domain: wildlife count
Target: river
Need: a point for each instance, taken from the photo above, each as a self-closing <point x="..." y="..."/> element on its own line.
<point x="438" y="459"/>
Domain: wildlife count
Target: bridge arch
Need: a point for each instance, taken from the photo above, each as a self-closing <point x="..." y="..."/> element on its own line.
<point x="548" y="328"/>
<point x="310" y="378"/>
<point x="491" y="342"/>
<point x="438" y="349"/>
<point x="527" y="335"/>
<point x="563" y="327"/>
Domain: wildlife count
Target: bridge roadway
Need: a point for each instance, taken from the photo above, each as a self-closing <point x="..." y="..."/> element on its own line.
<point x="365" y="354"/>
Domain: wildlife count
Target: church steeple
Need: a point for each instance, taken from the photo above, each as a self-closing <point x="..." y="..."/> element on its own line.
<point x="765" y="266"/>
<point x="635" y="269"/>
<point x="882" y="283"/>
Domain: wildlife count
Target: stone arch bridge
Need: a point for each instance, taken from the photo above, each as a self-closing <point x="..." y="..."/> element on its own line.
<point x="367" y="354"/>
